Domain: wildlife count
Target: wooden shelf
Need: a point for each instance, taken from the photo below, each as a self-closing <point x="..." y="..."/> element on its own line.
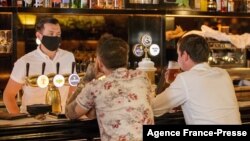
<point x="159" y="11"/>
<point x="5" y="54"/>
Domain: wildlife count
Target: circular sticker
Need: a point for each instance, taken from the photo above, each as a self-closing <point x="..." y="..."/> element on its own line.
<point x="42" y="81"/>
<point x="58" y="80"/>
<point x="154" y="50"/>
<point x="74" y="79"/>
<point x="146" y="40"/>
<point x="138" y="50"/>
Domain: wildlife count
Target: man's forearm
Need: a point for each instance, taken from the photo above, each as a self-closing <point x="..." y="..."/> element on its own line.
<point x="70" y="110"/>
<point x="73" y="96"/>
<point x="11" y="105"/>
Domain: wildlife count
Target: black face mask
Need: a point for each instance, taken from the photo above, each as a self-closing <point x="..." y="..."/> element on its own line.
<point x="52" y="43"/>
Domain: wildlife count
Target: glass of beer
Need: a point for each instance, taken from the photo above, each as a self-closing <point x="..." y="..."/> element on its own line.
<point x="172" y="70"/>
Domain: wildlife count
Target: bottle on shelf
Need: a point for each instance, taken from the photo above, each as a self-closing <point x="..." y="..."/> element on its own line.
<point x="224" y="4"/>
<point x="28" y="3"/>
<point x="230" y="6"/>
<point x="65" y="3"/>
<point x="38" y="3"/>
<point x="3" y="3"/>
<point x="211" y="6"/>
<point x="56" y="3"/>
<point x="117" y="4"/>
<point x="203" y="4"/>
<point x="218" y="5"/>
<point x="75" y="3"/>
<point x="84" y="4"/>
<point x="47" y="3"/>
<point x="19" y="3"/>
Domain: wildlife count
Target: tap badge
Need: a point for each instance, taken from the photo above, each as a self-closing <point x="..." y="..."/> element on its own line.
<point x="146" y="40"/>
<point x="58" y="80"/>
<point x="74" y="79"/>
<point x="42" y="81"/>
<point x="154" y="50"/>
<point x="138" y="50"/>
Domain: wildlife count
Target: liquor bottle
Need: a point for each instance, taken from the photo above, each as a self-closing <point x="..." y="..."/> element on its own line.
<point x="19" y="3"/>
<point x="218" y="5"/>
<point x="38" y="3"/>
<point x="203" y="4"/>
<point x="230" y="6"/>
<point x="56" y="3"/>
<point x="28" y="3"/>
<point x="3" y="3"/>
<point x="47" y="3"/>
<point x="117" y="4"/>
<point x="224" y="5"/>
<point x="75" y="3"/>
<point x="84" y="4"/>
<point x="211" y="6"/>
<point x="65" y="4"/>
<point x="109" y="4"/>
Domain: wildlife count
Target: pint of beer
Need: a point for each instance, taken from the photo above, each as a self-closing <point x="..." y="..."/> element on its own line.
<point x="172" y="70"/>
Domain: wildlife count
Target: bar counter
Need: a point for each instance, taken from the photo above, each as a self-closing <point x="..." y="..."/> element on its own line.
<point x="84" y="129"/>
<point x="48" y="129"/>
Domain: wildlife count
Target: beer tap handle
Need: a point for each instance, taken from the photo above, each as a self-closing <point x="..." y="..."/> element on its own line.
<point x="57" y="67"/>
<point x="73" y="67"/>
<point x="27" y="69"/>
<point x="43" y="67"/>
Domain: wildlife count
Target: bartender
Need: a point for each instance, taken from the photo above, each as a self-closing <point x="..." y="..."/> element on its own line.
<point x="48" y="32"/>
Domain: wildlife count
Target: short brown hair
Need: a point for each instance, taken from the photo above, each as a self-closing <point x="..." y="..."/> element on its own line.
<point x="196" y="47"/>
<point x="114" y="53"/>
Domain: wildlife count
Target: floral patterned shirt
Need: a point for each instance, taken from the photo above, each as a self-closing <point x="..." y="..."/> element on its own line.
<point x="122" y="103"/>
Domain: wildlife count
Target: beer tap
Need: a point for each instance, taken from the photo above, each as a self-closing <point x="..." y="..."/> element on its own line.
<point x="58" y="79"/>
<point x="53" y="81"/>
<point x="43" y="80"/>
<point x="73" y="67"/>
<point x="43" y="67"/>
<point x="27" y="69"/>
<point x="74" y="78"/>
<point x="57" y="67"/>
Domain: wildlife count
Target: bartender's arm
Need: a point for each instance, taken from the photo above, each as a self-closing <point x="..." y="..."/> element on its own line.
<point x="9" y="96"/>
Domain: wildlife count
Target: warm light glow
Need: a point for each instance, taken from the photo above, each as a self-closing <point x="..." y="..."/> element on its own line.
<point x="27" y="19"/>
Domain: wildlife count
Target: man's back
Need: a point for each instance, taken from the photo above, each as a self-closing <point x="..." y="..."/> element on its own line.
<point x="210" y="96"/>
<point x="122" y="104"/>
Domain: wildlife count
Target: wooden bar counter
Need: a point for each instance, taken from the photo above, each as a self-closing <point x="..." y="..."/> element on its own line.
<point x="84" y="129"/>
<point x="48" y="129"/>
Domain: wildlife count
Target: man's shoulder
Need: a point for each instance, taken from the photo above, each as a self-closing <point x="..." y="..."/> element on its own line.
<point x="29" y="55"/>
<point x="65" y="52"/>
<point x="219" y="69"/>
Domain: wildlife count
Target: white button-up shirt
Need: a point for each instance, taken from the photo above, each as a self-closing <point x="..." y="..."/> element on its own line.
<point x="206" y="95"/>
<point x="36" y="95"/>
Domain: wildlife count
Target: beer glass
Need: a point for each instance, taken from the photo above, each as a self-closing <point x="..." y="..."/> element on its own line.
<point x="172" y="70"/>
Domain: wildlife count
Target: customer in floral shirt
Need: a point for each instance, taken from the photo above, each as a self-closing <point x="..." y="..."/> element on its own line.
<point x="121" y="101"/>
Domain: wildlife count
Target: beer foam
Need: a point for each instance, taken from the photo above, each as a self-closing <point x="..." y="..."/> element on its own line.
<point x="146" y="65"/>
<point x="173" y="65"/>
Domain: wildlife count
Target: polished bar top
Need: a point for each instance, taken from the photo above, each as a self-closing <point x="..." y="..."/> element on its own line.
<point x="63" y="129"/>
<point x="49" y="129"/>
